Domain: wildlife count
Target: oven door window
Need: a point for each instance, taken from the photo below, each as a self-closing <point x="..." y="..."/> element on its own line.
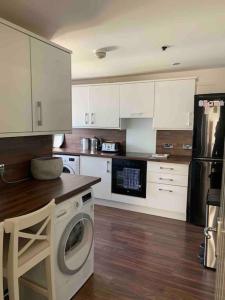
<point x="129" y="177"/>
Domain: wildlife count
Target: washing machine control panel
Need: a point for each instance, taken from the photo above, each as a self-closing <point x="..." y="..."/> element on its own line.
<point x="86" y="197"/>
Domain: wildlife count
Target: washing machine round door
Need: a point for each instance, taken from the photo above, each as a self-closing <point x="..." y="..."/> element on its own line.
<point x="67" y="169"/>
<point x="75" y="244"/>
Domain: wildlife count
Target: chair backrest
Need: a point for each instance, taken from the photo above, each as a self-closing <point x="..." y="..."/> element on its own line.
<point x="28" y="230"/>
<point x="1" y="261"/>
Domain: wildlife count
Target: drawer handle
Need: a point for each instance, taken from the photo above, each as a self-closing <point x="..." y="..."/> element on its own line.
<point x="164" y="190"/>
<point x="167" y="179"/>
<point x="164" y="168"/>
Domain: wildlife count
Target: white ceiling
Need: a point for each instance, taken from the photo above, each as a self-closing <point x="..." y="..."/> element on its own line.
<point x="195" y="29"/>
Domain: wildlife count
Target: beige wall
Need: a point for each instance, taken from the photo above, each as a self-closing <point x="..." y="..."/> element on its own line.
<point x="208" y="80"/>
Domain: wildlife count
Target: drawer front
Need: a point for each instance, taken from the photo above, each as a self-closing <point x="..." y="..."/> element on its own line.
<point x="165" y="197"/>
<point x="168" y="168"/>
<point x="171" y="179"/>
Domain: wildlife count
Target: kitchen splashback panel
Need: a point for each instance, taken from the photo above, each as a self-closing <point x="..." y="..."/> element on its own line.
<point x="173" y="142"/>
<point x="72" y="141"/>
<point x="16" y="153"/>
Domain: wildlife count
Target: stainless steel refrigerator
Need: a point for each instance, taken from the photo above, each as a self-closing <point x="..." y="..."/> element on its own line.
<point x="207" y="154"/>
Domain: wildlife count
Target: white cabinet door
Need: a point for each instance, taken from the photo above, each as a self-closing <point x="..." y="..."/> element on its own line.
<point x="99" y="167"/>
<point x="137" y="100"/>
<point x="80" y="106"/>
<point x="51" y="88"/>
<point x="15" y="89"/>
<point x="174" y="104"/>
<point x="104" y="106"/>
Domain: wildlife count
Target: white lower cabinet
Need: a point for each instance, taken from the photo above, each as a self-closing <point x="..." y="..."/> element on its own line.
<point x="167" y="197"/>
<point x="98" y="167"/>
<point x="166" y="194"/>
<point x="167" y="188"/>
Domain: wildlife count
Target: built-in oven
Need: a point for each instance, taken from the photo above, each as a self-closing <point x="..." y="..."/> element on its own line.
<point x="129" y="177"/>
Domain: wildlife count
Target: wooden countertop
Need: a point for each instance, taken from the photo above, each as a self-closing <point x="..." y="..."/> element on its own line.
<point x="128" y="155"/>
<point x="22" y="198"/>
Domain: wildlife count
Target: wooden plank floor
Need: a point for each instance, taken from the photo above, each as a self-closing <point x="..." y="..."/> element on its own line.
<point x="143" y="257"/>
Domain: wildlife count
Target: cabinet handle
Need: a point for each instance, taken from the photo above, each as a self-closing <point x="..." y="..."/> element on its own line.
<point x="166" y="179"/>
<point x="164" y="190"/>
<point x="137" y="114"/>
<point x="189" y="115"/>
<point x="86" y="118"/>
<point x="39" y="111"/>
<point x="92" y="118"/>
<point x="108" y="167"/>
<point x="164" y="168"/>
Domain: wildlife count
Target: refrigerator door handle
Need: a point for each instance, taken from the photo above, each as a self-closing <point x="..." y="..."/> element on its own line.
<point x="207" y="230"/>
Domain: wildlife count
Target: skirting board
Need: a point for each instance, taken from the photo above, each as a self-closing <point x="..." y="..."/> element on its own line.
<point x="141" y="209"/>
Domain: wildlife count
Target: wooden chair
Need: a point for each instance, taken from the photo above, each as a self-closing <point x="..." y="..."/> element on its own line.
<point x="30" y="242"/>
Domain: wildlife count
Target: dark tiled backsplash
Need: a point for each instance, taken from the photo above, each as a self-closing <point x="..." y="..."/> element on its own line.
<point x="174" y="142"/>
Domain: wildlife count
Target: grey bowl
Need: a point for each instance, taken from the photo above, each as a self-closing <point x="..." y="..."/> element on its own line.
<point x="46" y="168"/>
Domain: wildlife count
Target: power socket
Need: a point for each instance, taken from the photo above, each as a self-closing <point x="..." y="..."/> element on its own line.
<point x="2" y="169"/>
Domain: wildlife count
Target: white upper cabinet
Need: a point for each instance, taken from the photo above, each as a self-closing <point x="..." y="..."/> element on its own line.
<point x="15" y="89"/>
<point x="80" y="106"/>
<point x="104" y="106"/>
<point x="51" y="88"/>
<point x="96" y="106"/>
<point x="137" y="100"/>
<point x="174" y="104"/>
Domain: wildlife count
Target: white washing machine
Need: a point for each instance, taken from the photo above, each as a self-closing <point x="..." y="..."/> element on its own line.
<point x="74" y="244"/>
<point x="74" y="248"/>
<point x="71" y="163"/>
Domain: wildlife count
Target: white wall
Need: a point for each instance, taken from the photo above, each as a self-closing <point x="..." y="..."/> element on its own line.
<point x="141" y="137"/>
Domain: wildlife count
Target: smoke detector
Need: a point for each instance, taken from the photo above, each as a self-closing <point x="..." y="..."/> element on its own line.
<point x="101" y="52"/>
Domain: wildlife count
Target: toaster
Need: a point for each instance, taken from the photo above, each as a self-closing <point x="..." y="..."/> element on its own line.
<point x="113" y="147"/>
